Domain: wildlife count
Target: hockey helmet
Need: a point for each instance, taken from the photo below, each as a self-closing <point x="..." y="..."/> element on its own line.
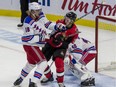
<point x="71" y="15"/>
<point x="34" y="6"/>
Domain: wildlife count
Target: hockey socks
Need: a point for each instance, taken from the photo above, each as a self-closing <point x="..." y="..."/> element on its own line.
<point x="48" y="72"/>
<point x="59" y="63"/>
<point x="49" y="76"/>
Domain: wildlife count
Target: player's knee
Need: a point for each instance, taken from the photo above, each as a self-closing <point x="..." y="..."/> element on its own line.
<point x="42" y="66"/>
<point x="59" y="53"/>
<point x="59" y="63"/>
<point x="28" y="67"/>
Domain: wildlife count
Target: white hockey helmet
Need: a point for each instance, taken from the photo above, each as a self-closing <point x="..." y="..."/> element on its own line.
<point x="34" y="6"/>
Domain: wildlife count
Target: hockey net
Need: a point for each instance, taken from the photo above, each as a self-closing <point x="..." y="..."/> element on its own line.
<point x="105" y="43"/>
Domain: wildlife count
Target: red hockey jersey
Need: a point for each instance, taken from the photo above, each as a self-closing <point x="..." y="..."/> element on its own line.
<point x="69" y="34"/>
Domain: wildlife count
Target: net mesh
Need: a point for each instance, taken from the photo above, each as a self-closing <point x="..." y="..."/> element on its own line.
<point x="106" y="43"/>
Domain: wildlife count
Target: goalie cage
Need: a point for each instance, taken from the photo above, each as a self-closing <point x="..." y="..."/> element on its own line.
<point x="105" y="61"/>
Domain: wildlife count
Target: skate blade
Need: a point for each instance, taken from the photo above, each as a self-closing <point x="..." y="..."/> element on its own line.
<point x="46" y="83"/>
<point x="87" y="86"/>
<point x="19" y="28"/>
<point x="16" y="86"/>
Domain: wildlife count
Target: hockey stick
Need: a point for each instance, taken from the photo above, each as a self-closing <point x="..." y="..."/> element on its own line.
<point x="71" y="35"/>
<point x="51" y="64"/>
<point x="90" y="11"/>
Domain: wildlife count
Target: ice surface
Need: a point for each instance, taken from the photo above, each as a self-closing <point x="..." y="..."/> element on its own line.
<point x="13" y="58"/>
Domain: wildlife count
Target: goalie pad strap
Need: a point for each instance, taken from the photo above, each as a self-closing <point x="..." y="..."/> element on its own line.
<point x="73" y="61"/>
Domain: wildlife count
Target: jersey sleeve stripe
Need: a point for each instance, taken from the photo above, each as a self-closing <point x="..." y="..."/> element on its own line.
<point x="47" y="24"/>
<point x="27" y="38"/>
<point x="42" y="42"/>
<point x="31" y="22"/>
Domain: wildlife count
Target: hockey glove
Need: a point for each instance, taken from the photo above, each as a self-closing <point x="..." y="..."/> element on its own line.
<point x="61" y="27"/>
<point x="58" y="38"/>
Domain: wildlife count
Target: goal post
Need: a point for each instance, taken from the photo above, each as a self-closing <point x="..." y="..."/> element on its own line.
<point x="105" y="23"/>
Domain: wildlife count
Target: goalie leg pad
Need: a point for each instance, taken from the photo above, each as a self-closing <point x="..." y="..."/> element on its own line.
<point x="80" y="71"/>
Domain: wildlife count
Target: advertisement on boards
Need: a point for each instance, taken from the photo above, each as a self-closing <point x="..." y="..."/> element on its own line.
<point x="61" y="7"/>
<point x="81" y="7"/>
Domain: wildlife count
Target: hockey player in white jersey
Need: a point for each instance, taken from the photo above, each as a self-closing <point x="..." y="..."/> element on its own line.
<point x="34" y="28"/>
<point x="79" y="54"/>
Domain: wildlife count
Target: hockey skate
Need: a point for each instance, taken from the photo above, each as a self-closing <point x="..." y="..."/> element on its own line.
<point x="32" y="84"/>
<point x="18" y="81"/>
<point x="20" y="25"/>
<point x="47" y="80"/>
<point x="61" y="85"/>
<point x="90" y="82"/>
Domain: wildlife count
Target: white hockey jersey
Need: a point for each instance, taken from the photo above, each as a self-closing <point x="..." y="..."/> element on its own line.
<point x="35" y="31"/>
<point x="79" y="47"/>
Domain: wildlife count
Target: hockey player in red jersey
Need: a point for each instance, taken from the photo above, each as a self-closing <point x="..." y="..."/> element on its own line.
<point x="56" y="48"/>
<point x="34" y="28"/>
<point x="78" y="55"/>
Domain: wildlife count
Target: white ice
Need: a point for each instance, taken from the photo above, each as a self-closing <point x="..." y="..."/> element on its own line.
<point x="13" y="58"/>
